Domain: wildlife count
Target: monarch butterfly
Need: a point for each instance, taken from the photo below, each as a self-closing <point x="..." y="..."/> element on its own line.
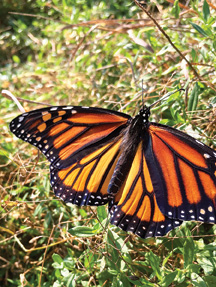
<point x="153" y="176"/>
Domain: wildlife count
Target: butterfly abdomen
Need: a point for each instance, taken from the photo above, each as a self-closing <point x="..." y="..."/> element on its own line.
<point x="130" y="142"/>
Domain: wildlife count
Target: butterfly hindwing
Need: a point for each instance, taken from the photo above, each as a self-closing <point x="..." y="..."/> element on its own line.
<point x="135" y="208"/>
<point x="86" y="181"/>
<point x="183" y="172"/>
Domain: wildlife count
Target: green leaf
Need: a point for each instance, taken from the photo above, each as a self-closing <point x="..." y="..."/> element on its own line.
<point x="188" y="252"/>
<point x="124" y="280"/>
<point x="58" y="261"/>
<point x="206" y="11"/>
<point x="210" y="280"/>
<point x="208" y="264"/>
<point x="193" y="99"/>
<point x="193" y="268"/>
<point x="142" y="282"/>
<point x="168" y="279"/>
<point x="176" y="9"/>
<point x="154" y="262"/>
<point x="199" y="29"/>
<point x="16" y="59"/>
<point x="101" y="213"/>
<point x="82" y="231"/>
<point x="169" y="70"/>
<point x="180" y="277"/>
<point x="114" y="272"/>
<point x="70" y="282"/>
<point x="56" y="258"/>
<point x="57" y="284"/>
<point x="197" y="280"/>
<point x="4" y="153"/>
<point x="69" y="264"/>
<point x="114" y="248"/>
<point x="194" y="55"/>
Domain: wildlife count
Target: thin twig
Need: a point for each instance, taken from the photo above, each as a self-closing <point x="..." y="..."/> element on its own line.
<point x="171" y="43"/>
<point x="11" y="96"/>
<point x="7" y="94"/>
<point x="35" y="16"/>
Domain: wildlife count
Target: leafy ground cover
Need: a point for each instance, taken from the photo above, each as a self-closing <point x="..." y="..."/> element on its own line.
<point x="95" y="53"/>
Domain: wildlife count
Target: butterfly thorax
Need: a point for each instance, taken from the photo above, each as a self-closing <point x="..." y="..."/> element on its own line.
<point x="144" y="114"/>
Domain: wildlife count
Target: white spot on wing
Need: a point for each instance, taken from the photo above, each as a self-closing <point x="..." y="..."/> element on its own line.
<point x="206" y="155"/>
<point x="199" y="142"/>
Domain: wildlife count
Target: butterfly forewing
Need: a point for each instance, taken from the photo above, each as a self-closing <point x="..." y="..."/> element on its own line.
<point x="183" y="172"/>
<point x="66" y="134"/>
<point x="82" y="144"/>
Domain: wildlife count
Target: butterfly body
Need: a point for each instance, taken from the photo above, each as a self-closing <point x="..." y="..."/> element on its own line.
<point x="131" y="137"/>
<point x="153" y="176"/>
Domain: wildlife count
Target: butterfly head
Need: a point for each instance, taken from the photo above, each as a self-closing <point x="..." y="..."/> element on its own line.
<point x="144" y="113"/>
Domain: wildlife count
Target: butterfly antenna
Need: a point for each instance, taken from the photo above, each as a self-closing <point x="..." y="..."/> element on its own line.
<point x="142" y="95"/>
<point x="165" y="96"/>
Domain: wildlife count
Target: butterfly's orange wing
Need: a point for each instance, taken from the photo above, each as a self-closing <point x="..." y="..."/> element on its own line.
<point x="135" y="208"/>
<point x="183" y="172"/>
<point x="82" y="144"/>
<point x="86" y="181"/>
